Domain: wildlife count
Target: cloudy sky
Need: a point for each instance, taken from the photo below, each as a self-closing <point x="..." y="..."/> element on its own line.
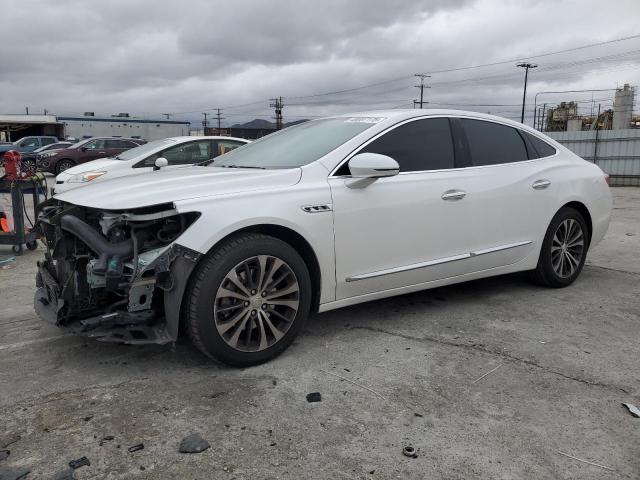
<point x="150" y="57"/>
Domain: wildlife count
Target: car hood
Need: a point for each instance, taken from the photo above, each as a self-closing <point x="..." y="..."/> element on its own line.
<point x="100" y="164"/>
<point x="165" y="186"/>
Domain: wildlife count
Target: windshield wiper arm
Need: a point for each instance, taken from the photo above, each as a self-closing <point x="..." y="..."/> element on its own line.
<point x="241" y="166"/>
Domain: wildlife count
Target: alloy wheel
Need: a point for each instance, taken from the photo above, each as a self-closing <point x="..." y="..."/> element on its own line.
<point x="256" y="303"/>
<point x="567" y="248"/>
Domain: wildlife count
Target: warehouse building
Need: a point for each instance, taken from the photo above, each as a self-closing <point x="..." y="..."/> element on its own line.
<point x="122" y="125"/>
<point x="14" y="127"/>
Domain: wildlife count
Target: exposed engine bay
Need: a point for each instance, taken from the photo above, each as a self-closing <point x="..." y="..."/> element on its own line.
<point x="114" y="275"/>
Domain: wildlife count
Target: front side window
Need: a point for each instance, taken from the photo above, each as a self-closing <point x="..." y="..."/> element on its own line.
<point x="29" y="142"/>
<point x="298" y="145"/>
<point x="183" y="154"/>
<point x="97" y="144"/>
<point x="492" y="143"/>
<point x="419" y="145"/>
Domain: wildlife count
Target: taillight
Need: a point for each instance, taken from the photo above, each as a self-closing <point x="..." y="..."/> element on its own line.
<point x="607" y="178"/>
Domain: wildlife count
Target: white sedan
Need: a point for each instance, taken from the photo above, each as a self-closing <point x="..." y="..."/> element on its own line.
<point x="322" y="215"/>
<point x="179" y="151"/>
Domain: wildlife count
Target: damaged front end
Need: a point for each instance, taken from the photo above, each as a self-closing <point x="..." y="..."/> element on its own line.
<point x="115" y="275"/>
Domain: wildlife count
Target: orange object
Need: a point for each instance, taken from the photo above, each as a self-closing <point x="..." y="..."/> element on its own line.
<point x="4" y="225"/>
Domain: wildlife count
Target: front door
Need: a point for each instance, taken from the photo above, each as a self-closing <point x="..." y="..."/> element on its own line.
<point x="403" y="230"/>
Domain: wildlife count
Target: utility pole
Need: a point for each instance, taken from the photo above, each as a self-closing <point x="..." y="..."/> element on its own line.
<point x="422" y="86"/>
<point x="277" y="104"/>
<point x="219" y="117"/>
<point x="205" y="122"/>
<point x="26" y="109"/>
<point x="167" y="115"/>
<point x="526" y="67"/>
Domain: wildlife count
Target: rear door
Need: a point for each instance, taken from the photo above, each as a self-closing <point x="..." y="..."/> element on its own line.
<point x="508" y="189"/>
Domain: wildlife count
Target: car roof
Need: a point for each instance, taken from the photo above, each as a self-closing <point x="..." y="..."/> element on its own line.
<point x="185" y="138"/>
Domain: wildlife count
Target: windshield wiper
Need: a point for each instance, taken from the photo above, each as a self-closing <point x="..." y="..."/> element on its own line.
<point x="240" y="166"/>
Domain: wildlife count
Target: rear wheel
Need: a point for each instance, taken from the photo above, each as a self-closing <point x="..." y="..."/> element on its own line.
<point x="249" y="299"/>
<point x="564" y="249"/>
<point x="63" y="165"/>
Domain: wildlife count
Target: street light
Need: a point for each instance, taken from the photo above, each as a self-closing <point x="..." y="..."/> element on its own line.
<point x="526" y="67"/>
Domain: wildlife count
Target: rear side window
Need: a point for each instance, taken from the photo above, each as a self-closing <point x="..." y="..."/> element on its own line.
<point x="492" y="143"/>
<point x="541" y="148"/>
<point x="419" y="145"/>
<point x="48" y="140"/>
<point x="113" y="144"/>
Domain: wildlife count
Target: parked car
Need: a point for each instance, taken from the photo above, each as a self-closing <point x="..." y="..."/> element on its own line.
<point x="27" y="144"/>
<point x="322" y="215"/>
<point x="30" y="158"/>
<point x="85" y="151"/>
<point x="179" y="151"/>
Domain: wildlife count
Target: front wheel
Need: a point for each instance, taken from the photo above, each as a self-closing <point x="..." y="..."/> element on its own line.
<point x="64" y="164"/>
<point x="564" y="249"/>
<point x="248" y="300"/>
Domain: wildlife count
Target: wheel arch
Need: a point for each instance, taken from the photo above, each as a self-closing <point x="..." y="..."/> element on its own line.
<point x="584" y="211"/>
<point x="291" y="237"/>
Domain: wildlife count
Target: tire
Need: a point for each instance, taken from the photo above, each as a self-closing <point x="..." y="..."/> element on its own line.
<point x="63" y="165"/>
<point x="230" y="318"/>
<point x="561" y="258"/>
<point x="32" y="245"/>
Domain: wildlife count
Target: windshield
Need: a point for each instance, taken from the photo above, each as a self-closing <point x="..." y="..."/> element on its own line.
<point x="296" y="146"/>
<point x="144" y="149"/>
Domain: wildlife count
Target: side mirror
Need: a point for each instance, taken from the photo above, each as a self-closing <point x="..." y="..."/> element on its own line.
<point x="160" y="163"/>
<point x="373" y="165"/>
<point x="84" y="149"/>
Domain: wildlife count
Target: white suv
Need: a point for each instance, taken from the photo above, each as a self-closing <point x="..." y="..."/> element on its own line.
<point x="179" y="151"/>
<point x="322" y="215"/>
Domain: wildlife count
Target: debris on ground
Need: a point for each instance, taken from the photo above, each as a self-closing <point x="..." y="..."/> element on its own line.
<point x="416" y="414"/>
<point x="586" y="461"/>
<point x="135" y="448"/>
<point x="81" y="462"/>
<point x="193" y="443"/>
<point x="106" y="438"/>
<point x="354" y="383"/>
<point x="633" y="410"/>
<point x="410" y="452"/>
<point x="8" y="473"/>
<point x="9" y="440"/>
<point x="314" y="397"/>
<point x="488" y="373"/>
<point x="65" y="475"/>
<point x="4" y="454"/>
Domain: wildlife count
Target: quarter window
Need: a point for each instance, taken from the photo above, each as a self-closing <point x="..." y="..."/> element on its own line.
<point x="419" y="145"/>
<point x="492" y="143"/>
<point x="226" y="146"/>
<point x="541" y="148"/>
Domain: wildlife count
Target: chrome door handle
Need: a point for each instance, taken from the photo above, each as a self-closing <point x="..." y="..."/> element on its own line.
<point x="453" y="195"/>
<point x="540" y="184"/>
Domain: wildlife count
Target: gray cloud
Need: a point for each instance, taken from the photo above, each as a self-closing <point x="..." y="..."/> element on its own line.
<point x="149" y="57"/>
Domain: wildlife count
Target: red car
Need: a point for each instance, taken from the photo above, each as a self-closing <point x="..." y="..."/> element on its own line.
<point x="84" y="151"/>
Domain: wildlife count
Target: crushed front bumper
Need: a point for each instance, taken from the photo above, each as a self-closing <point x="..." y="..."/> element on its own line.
<point x="130" y="327"/>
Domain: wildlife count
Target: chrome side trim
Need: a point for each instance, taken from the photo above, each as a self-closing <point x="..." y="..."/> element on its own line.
<point x="438" y="261"/>
<point x="326" y="207"/>
<point x="501" y="247"/>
